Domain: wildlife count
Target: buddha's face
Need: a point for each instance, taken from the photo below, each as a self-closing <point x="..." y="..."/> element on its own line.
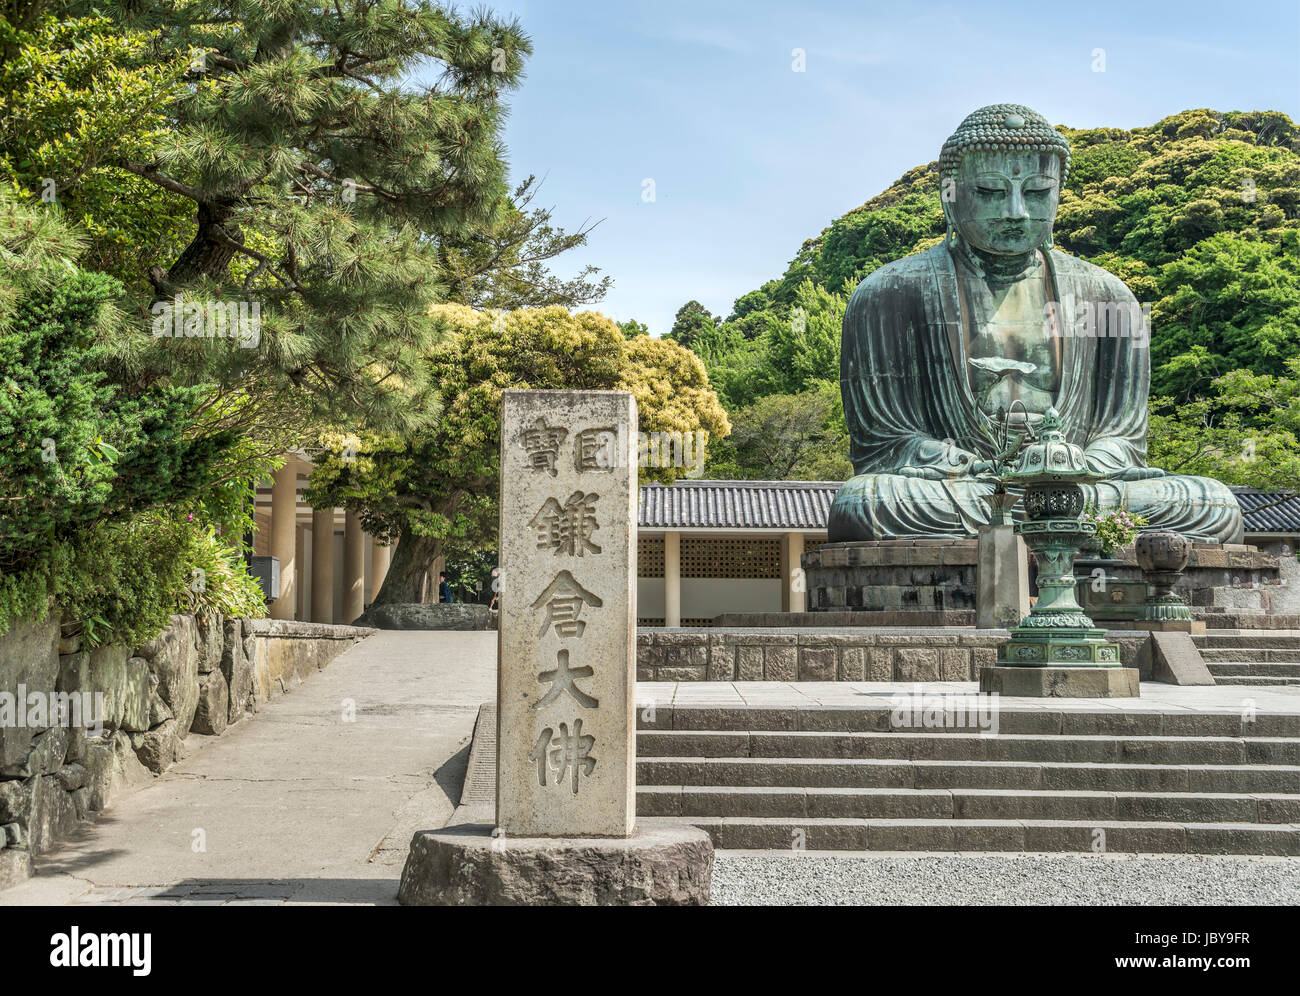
<point x="1005" y="202"/>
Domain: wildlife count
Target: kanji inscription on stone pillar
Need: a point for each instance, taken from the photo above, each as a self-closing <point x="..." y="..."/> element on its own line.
<point x="567" y="623"/>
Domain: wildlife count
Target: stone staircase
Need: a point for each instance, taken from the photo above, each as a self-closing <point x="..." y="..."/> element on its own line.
<point x="1252" y="658"/>
<point x="1052" y="780"/>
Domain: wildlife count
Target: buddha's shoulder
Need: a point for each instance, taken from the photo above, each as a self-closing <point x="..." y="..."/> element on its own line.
<point x="1089" y="274"/>
<point x="909" y="275"/>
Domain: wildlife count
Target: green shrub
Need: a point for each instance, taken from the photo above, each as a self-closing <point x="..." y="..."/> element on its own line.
<point x="122" y="581"/>
<point x="219" y="582"/>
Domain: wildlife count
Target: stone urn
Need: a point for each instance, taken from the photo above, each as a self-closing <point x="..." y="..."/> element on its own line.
<point x="1163" y="555"/>
<point x="1162" y="552"/>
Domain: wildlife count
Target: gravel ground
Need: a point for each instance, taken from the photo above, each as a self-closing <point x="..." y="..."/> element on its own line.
<point x="742" y="878"/>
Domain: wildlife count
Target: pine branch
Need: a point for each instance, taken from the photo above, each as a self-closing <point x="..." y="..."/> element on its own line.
<point x="1281" y="499"/>
<point x="153" y="175"/>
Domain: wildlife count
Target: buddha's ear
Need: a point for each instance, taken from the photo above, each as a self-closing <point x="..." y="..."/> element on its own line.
<point x="947" y="194"/>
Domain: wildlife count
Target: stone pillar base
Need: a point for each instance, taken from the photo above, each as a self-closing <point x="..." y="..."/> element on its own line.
<point x="659" y="865"/>
<point x="1061" y="682"/>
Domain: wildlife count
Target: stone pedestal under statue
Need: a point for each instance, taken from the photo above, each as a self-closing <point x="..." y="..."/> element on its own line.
<point x="934" y="582"/>
<point x="904" y="582"/>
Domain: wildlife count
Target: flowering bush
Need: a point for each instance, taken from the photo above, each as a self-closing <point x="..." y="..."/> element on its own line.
<point x="1115" y="529"/>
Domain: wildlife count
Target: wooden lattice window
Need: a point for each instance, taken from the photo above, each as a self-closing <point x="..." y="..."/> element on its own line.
<point x="650" y="557"/>
<point x="719" y="557"/>
<point x="657" y="623"/>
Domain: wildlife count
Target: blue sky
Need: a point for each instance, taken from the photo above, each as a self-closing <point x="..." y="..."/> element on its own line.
<point x="750" y="158"/>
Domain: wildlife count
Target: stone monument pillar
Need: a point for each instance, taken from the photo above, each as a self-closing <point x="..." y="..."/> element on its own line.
<point x="566" y="831"/>
<point x="567" y="632"/>
<point x="1001" y="578"/>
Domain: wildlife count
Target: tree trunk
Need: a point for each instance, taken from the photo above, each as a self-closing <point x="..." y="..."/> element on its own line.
<point x="408" y="569"/>
<point x="206" y="256"/>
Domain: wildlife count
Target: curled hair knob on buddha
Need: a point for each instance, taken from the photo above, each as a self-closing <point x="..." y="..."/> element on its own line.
<point x="999" y="128"/>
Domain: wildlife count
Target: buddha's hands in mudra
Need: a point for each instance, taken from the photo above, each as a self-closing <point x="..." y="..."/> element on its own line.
<point x="1101" y="461"/>
<point x="968" y="467"/>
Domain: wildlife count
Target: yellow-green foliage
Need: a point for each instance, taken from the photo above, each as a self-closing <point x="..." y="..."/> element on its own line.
<point x="441" y="482"/>
<point x="76" y="94"/>
<point x="672" y="394"/>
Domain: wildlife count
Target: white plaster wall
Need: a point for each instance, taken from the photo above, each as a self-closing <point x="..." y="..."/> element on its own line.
<point x="650" y="598"/>
<point x="704" y="598"/>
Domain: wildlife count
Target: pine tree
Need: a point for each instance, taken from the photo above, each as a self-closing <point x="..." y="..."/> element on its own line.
<point x="322" y="150"/>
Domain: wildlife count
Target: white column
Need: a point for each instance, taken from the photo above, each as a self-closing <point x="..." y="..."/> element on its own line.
<point x="354" y="577"/>
<point x="672" y="578"/>
<point x="794" y="590"/>
<point x="284" y="539"/>
<point x="784" y="568"/>
<point x="435" y="591"/>
<point x="322" y="565"/>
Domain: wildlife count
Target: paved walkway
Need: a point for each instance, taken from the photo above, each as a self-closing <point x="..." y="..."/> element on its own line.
<point x="298" y="806"/>
<point x="294" y="805"/>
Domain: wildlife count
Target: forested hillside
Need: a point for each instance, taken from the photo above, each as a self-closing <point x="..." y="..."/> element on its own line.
<point x="1198" y="213"/>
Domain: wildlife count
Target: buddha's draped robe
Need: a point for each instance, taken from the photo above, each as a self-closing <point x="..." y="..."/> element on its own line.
<point x="908" y="404"/>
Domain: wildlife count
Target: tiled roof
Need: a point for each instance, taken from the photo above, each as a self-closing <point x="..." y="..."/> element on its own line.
<point x="807" y="504"/>
<point x="1280" y="518"/>
<point x="736" y="505"/>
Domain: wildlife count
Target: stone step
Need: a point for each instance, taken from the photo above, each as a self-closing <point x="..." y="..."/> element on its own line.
<point x="1221" y="617"/>
<point x="1258" y="668"/>
<point x="879" y="718"/>
<point x="1080" y="836"/>
<point x="926" y="774"/>
<point x="1246" y="679"/>
<point x="963" y="804"/>
<point x="969" y="747"/>
<point x="1248" y="641"/>
<point x="1251" y="655"/>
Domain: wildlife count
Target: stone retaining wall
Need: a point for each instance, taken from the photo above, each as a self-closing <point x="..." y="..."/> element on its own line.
<point x="849" y="654"/>
<point x="860" y="617"/>
<point x="197" y="677"/>
<point x="283" y="653"/>
<point x="430" y="615"/>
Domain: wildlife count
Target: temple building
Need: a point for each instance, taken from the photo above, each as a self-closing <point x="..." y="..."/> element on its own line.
<point x="704" y="547"/>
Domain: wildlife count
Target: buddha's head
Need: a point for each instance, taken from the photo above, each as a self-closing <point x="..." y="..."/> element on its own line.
<point x="1001" y="175"/>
